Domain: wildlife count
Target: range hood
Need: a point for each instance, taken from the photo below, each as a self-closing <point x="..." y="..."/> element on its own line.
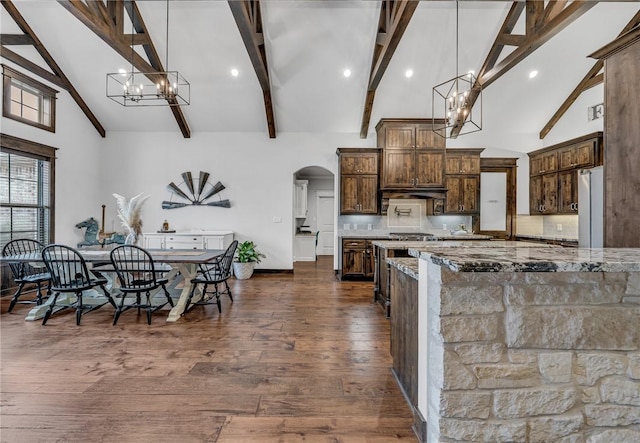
<point x="435" y="193"/>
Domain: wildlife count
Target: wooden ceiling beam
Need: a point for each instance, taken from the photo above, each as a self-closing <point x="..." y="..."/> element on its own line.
<point x="49" y="60"/>
<point x="395" y="16"/>
<point x="16" y="39"/>
<point x="537" y="34"/>
<point x="248" y="18"/>
<point x="591" y="79"/>
<point x="110" y="33"/>
<point x="31" y="67"/>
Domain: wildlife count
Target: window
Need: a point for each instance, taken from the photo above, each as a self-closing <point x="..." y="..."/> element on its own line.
<point x="26" y="190"/>
<point x="27" y="100"/>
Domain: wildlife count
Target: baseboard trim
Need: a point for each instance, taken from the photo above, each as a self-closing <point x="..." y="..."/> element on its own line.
<point x="273" y="271"/>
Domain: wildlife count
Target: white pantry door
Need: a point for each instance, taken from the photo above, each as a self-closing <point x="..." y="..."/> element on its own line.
<point x="326" y="222"/>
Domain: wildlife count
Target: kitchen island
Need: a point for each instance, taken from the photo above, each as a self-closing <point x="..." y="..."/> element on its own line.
<point x="528" y="344"/>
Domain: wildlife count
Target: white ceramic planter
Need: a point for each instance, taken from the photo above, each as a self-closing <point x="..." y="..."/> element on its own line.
<point x="243" y="271"/>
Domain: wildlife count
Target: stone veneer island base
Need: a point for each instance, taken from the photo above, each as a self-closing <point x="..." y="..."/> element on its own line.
<point x="529" y="345"/>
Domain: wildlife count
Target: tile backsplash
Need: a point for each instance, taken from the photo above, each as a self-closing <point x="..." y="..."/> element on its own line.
<point x="415" y="221"/>
<point x="548" y="225"/>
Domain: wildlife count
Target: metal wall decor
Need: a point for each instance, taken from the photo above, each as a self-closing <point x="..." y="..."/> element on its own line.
<point x="197" y="192"/>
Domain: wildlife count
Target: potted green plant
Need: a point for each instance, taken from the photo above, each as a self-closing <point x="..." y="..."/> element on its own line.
<point x="245" y="260"/>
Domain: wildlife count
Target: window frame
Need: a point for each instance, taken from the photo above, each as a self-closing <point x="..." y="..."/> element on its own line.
<point x="27" y="148"/>
<point x="8" y="75"/>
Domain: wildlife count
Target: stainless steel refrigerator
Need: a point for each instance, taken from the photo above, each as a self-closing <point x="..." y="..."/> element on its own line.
<point x="591" y="207"/>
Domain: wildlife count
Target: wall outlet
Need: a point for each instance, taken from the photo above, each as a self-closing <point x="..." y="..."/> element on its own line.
<point x="355" y="226"/>
<point x="444" y="226"/>
<point x="559" y="227"/>
<point x="346" y="226"/>
<point x="369" y="226"/>
<point x="277" y="219"/>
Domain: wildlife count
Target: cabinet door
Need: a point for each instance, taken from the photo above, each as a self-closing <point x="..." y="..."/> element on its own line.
<point x="349" y="194"/>
<point x="369" y="260"/>
<point x="470" y="195"/>
<point x="566" y="158"/>
<point x="463" y="164"/>
<point x="535" y="164"/>
<point x="535" y="195"/>
<point x="399" y="137"/>
<point x="550" y="193"/>
<point x="429" y="168"/>
<point x="213" y="242"/>
<point x="358" y="163"/>
<point x="353" y="255"/>
<point x="426" y="138"/>
<point x="584" y="155"/>
<point x="398" y="168"/>
<point x="368" y="194"/>
<point x="154" y="241"/>
<point x="549" y="162"/>
<point x="300" y="200"/>
<point x="568" y="195"/>
<point x="454" y="195"/>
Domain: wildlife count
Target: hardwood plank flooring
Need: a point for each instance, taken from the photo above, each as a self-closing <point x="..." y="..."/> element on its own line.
<point x="300" y="357"/>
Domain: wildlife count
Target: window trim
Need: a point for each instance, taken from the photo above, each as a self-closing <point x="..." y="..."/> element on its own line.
<point x="9" y="74"/>
<point x="27" y="148"/>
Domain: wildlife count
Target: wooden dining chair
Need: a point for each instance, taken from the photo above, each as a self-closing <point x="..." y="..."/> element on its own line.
<point x="27" y="272"/>
<point x="70" y="275"/>
<point x="138" y="275"/>
<point x="214" y="273"/>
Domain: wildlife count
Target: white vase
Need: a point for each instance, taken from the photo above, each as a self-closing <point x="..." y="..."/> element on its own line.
<point x="243" y="271"/>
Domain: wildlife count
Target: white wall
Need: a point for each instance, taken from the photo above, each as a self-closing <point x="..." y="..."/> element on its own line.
<point x="78" y="169"/>
<point x="257" y="172"/>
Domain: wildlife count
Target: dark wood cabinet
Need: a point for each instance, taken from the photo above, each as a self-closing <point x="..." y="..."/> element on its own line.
<point x="568" y="194"/>
<point x="543" y="194"/>
<point x="553" y="174"/>
<point x="413" y="154"/>
<point x="462" y="181"/>
<point x="358" y="180"/>
<point x="465" y="162"/>
<point x="404" y="333"/>
<point x="463" y="195"/>
<point x="357" y="258"/>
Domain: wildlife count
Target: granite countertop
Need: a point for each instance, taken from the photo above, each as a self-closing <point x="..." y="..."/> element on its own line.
<point x="548" y="237"/>
<point x="436" y="235"/>
<point x="399" y="244"/>
<point x="544" y="259"/>
<point x="408" y="265"/>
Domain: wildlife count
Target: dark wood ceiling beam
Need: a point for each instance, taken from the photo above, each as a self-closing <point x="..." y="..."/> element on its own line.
<point x="536" y="37"/>
<point x="48" y="58"/>
<point x="395" y="16"/>
<point x="510" y="39"/>
<point x="591" y="79"/>
<point x="136" y="39"/>
<point x="110" y="34"/>
<point x="248" y="18"/>
<point x="31" y="67"/>
<point x="535" y="15"/>
<point x="16" y="39"/>
<point x="99" y="10"/>
<point x="553" y="8"/>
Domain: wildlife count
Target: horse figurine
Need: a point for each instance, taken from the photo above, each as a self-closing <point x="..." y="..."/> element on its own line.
<point x="91" y="234"/>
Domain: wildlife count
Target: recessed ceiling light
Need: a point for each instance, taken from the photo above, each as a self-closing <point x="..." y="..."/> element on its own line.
<point x="347" y="73"/>
<point x="532" y="74"/>
<point x="408" y="73"/>
<point x="235" y="72"/>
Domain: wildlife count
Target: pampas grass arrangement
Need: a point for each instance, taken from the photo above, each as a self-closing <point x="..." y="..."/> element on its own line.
<point x="129" y="212"/>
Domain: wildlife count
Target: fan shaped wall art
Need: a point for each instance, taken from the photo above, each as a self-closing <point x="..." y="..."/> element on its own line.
<point x="196" y="192"/>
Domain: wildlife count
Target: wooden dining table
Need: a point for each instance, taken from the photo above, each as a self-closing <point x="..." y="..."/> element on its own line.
<point x="184" y="265"/>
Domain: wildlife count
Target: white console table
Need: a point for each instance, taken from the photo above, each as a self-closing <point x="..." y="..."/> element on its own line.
<point x="188" y="240"/>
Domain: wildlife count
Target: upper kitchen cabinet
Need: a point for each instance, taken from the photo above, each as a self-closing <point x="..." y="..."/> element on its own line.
<point x="413" y="154"/>
<point x="358" y="180"/>
<point x="553" y="173"/>
<point x="463" y="161"/>
<point x="300" y="199"/>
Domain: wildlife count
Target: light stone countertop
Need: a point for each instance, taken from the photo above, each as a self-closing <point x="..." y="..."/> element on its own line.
<point x="399" y="244"/>
<point x="436" y="235"/>
<point x="523" y="259"/>
<point x="408" y="265"/>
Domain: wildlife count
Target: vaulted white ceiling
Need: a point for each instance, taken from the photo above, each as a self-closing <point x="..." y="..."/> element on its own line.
<point x="309" y="44"/>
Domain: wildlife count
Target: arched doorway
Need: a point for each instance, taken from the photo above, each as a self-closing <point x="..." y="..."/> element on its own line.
<point x="314" y="227"/>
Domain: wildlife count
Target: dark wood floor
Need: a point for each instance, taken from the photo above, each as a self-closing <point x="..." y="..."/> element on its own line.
<point x="299" y="357"/>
